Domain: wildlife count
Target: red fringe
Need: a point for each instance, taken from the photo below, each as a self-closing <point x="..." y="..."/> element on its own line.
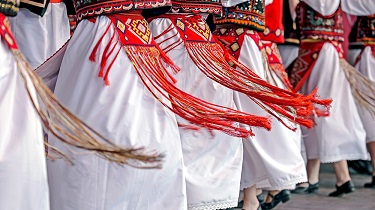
<point x="147" y="62"/>
<point x="280" y="103"/>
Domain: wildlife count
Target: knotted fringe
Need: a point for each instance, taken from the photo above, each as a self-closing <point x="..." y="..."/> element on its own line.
<point x="108" y="51"/>
<point x="148" y="64"/>
<point x="363" y="89"/>
<point x="72" y="131"/>
<point x="282" y="104"/>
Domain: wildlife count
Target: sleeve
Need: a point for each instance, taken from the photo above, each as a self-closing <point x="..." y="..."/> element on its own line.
<point x="324" y="7"/>
<point x="358" y="7"/>
<point x="229" y="3"/>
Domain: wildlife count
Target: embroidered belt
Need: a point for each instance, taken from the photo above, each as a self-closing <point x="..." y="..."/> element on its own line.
<point x="307" y="56"/>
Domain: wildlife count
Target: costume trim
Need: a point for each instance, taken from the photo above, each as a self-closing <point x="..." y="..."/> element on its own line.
<point x="363" y="89"/>
<point x="134" y="36"/>
<point x="249" y="13"/>
<point x="213" y="61"/>
<point x="224" y="205"/>
<point x="313" y="25"/>
<point x="92" y="8"/>
<point x="63" y="124"/>
<point x="197" y="7"/>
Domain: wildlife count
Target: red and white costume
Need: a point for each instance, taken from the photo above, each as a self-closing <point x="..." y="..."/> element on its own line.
<point x="23" y="175"/>
<point x="262" y="164"/>
<point x="341" y="135"/>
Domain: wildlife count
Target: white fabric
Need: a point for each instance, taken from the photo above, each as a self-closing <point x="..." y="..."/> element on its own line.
<point x="23" y="176"/>
<point x="40" y="37"/>
<point x="341" y="135"/>
<point x="229" y="3"/>
<point x="124" y="112"/>
<point x="262" y="164"/>
<point x="358" y="7"/>
<point x="212" y="163"/>
<point x="288" y="53"/>
<point x="366" y="66"/>
<point x="324" y="7"/>
<point x="352" y="55"/>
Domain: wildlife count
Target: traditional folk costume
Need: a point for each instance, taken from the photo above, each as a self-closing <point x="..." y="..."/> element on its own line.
<point x="41" y="30"/>
<point x="364" y="63"/>
<point x="25" y="102"/>
<point x="186" y="38"/>
<point x="119" y="86"/>
<point x="341" y="135"/>
<point x="23" y="175"/>
<point x="212" y="160"/>
<point x="262" y="164"/>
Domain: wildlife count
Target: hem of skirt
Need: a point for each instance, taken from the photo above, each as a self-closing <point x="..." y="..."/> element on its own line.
<point x="245" y="185"/>
<point x="287" y="185"/>
<point x="215" y="206"/>
<point x="343" y="157"/>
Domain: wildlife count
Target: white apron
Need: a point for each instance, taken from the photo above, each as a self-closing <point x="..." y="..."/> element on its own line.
<point x="124" y="112"/>
<point x="366" y="66"/>
<point x="212" y="163"/>
<point x="340" y="136"/>
<point x="262" y="163"/>
<point x="288" y="53"/>
<point x="23" y="176"/>
<point x="40" y="37"/>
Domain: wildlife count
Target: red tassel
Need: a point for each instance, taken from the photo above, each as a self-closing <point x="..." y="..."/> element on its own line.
<point x="167" y="60"/>
<point x="280" y="103"/>
<point x="106" y="55"/>
<point x="196" y="111"/>
<point x="106" y="79"/>
<point x="93" y="53"/>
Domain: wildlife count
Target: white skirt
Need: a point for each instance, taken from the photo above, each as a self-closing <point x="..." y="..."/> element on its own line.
<point x="40" y="37"/>
<point x="366" y="67"/>
<point x="212" y="163"/>
<point x="23" y="175"/>
<point x="124" y="112"/>
<point x="288" y="53"/>
<point x="262" y="163"/>
<point x="340" y="136"/>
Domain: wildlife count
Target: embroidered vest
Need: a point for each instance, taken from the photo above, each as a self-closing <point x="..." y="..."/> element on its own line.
<point x="248" y="14"/>
<point x="366" y="29"/>
<point x="9" y="7"/>
<point x="197" y="6"/>
<point x="92" y="8"/>
<point x="274" y="28"/>
<point x="313" y="25"/>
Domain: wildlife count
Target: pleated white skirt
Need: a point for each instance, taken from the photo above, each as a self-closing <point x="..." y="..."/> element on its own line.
<point x="366" y="66"/>
<point x="272" y="159"/>
<point x="340" y="136"/>
<point x="23" y="175"/>
<point x="124" y="112"/>
<point x="212" y="162"/>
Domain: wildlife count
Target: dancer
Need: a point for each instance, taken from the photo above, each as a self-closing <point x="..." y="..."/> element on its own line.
<point x="364" y="62"/>
<point x="112" y="76"/>
<point x="25" y="103"/>
<point x="340" y="136"/>
<point x="262" y="165"/>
